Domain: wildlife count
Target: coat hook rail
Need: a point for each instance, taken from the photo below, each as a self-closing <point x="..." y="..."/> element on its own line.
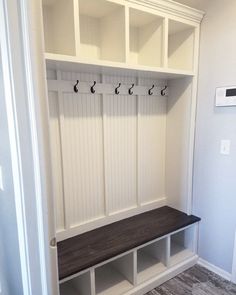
<point x="80" y="87"/>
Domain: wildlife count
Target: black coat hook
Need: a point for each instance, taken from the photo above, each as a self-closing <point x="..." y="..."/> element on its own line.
<point x="92" y="87"/>
<point x="130" y="89"/>
<point x="116" y="89"/>
<point x="76" y="87"/>
<point x="150" y="90"/>
<point x="163" y="91"/>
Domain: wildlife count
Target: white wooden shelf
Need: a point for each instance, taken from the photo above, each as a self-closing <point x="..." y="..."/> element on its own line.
<point x="80" y="285"/>
<point x="59" y="26"/>
<point x="145" y="38"/>
<point x="133" y="271"/>
<point x="109" y="281"/>
<point x="121" y="35"/>
<point x="180" y="46"/>
<point x="181" y="245"/>
<point x="72" y="63"/>
<point x="102" y="30"/>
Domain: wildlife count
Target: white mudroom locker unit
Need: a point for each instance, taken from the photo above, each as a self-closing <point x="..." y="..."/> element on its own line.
<point x="122" y="85"/>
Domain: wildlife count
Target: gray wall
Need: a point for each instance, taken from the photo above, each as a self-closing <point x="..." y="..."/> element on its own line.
<point x="10" y="272"/>
<point x="215" y="174"/>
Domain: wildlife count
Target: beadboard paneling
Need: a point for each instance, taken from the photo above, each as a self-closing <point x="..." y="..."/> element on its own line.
<point x="56" y="159"/>
<point x="83" y="157"/>
<point x="120" y="134"/>
<point x="151" y="148"/>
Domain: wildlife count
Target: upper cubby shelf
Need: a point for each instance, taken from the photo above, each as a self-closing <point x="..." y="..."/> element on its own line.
<point x="102" y="30"/>
<point x="59" y="27"/>
<point x="180" y="46"/>
<point x="145" y="38"/>
<point x="122" y="34"/>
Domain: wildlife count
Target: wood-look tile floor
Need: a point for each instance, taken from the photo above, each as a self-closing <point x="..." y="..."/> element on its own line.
<point x="197" y="281"/>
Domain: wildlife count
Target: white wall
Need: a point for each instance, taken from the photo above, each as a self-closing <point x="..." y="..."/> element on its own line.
<point x="215" y="174"/>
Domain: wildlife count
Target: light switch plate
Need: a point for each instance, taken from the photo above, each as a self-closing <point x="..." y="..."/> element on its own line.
<point x="225" y="147"/>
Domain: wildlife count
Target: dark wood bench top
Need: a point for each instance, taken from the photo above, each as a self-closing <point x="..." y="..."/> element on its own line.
<point x="88" y="249"/>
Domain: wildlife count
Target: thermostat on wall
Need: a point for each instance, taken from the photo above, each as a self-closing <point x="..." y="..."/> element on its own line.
<point x="226" y="96"/>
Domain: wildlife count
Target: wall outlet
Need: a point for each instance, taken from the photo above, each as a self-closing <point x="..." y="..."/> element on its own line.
<point x="225" y="147"/>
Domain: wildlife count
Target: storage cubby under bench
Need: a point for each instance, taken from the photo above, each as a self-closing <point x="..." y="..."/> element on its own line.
<point x="130" y="256"/>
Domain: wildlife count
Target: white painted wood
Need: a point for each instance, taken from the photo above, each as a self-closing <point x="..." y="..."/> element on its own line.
<point x="146" y="34"/>
<point x="102" y="30"/>
<point x="120" y="158"/>
<point x="124" y="265"/>
<point x="151" y="146"/>
<point x="181" y="245"/>
<point x="109" y="281"/>
<point x="56" y="155"/>
<point x="163" y="277"/>
<point x="151" y="260"/>
<point x="181" y="46"/>
<point x="59" y="27"/>
<point x="101" y="221"/>
<point x="72" y="63"/>
<point x="80" y="285"/>
<point x="234" y="262"/>
<point x="178" y="143"/>
<point x="105" y="88"/>
<point x="83" y="165"/>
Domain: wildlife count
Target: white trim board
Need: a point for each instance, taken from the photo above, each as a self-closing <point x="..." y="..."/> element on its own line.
<point x="219" y="271"/>
<point x="234" y="262"/>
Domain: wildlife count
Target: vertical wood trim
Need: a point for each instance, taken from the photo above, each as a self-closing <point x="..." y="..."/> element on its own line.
<point x="165" y="42"/>
<point x="76" y="27"/>
<point x="139" y="201"/>
<point x="168" y="251"/>
<point x="135" y="268"/>
<point x="192" y="126"/>
<point x="92" y="281"/>
<point x="61" y="124"/>
<point x="104" y="140"/>
<point x="234" y="262"/>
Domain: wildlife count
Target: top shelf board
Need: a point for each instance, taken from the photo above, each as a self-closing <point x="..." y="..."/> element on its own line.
<point x="135" y="37"/>
<point x="67" y="63"/>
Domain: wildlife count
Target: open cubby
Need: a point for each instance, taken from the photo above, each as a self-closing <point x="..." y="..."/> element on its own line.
<point x="182" y="245"/>
<point x="145" y="38"/>
<point x="102" y="30"/>
<point x="115" y="277"/>
<point x="180" y="46"/>
<point x="151" y="260"/>
<point x="59" y="32"/>
<point x="80" y="285"/>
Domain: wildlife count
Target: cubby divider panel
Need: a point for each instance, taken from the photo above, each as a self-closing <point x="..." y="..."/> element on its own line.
<point x="102" y="30"/>
<point x="151" y="260"/>
<point x="182" y="245"/>
<point x="59" y="27"/>
<point x="80" y="285"/>
<point x="115" y="277"/>
<point x="145" y="38"/>
<point x="180" y="46"/>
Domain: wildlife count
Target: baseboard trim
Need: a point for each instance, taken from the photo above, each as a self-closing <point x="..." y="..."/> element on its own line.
<point x="219" y="271"/>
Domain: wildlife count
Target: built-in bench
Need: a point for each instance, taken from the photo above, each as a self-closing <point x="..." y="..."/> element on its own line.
<point x="127" y="253"/>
